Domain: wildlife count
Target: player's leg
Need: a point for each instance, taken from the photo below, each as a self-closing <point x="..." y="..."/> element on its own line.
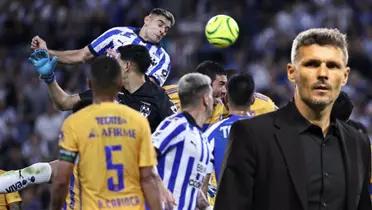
<point x="16" y="180"/>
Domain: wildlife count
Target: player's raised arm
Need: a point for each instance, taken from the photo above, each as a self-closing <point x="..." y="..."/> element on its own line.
<point x="45" y="65"/>
<point x="65" y="56"/>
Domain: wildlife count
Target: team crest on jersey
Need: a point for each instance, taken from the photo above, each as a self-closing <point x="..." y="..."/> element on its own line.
<point x="145" y="109"/>
<point x="174" y="108"/>
<point x="92" y="134"/>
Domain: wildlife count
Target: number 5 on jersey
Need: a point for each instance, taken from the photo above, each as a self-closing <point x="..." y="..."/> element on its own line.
<point x="119" y="168"/>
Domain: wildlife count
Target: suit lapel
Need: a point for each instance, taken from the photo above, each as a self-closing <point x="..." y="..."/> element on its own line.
<point x="349" y="155"/>
<point x="289" y="142"/>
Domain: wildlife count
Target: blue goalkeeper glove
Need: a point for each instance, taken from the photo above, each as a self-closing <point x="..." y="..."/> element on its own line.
<point x="43" y="64"/>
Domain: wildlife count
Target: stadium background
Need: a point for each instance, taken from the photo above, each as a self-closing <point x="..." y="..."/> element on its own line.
<point x="28" y="122"/>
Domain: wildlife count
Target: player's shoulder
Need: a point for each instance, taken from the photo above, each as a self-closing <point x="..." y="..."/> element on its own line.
<point x="176" y="120"/>
<point x="262" y="104"/>
<point x="262" y="97"/>
<point x="123" y="29"/>
<point x="155" y="90"/>
<point x="170" y="89"/>
<point x="93" y="109"/>
<point x="129" y="113"/>
<point x="176" y="123"/>
<point x="213" y="128"/>
<point x="256" y="123"/>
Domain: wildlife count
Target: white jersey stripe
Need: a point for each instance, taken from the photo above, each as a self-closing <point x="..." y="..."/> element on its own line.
<point x="184" y="157"/>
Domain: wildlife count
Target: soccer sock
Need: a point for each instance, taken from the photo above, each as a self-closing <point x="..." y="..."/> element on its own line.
<point x="16" y="180"/>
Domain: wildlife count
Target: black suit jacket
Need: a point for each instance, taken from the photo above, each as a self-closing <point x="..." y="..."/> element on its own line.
<point x="265" y="165"/>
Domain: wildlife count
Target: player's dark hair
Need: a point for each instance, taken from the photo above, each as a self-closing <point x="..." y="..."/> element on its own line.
<point x="211" y="69"/>
<point x="240" y="89"/>
<point x="105" y="70"/>
<point x="137" y="54"/>
<point x="163" y="12"/>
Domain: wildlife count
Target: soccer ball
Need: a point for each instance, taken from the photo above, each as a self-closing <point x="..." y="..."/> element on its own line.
<point x="221" y="31"/>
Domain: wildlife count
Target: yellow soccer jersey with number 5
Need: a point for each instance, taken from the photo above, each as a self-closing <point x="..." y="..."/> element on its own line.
<point x="113" y="141"/>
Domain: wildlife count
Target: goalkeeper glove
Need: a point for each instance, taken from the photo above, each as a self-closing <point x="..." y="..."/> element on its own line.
<point x="43" y="64"/>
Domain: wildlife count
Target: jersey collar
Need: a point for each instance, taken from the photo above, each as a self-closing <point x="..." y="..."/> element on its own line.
<point x="191" y="120"/>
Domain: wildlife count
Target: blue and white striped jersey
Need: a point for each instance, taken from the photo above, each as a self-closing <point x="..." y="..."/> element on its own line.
<point x="184" y="158"/>
<point x="218" y="135"/>
<point x="121" y="36"/>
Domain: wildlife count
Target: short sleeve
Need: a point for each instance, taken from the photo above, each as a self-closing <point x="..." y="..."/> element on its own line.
<point x="67" y="137"/>
<point x="13" y="197"/>
<point x="103" y="42"/>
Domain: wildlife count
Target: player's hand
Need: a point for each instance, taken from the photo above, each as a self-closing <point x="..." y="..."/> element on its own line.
<point x="169" y="202"/>
<point x="38" y="43"/>
<point x="112" y="53"/>
<point x="201" y="200"/>
<point x="43" y="64"/>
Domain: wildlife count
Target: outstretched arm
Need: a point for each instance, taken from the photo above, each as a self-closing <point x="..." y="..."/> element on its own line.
<point x="62" y="100"/>
<point x="44" y="65"/>
<point x="66" y="56"/>
<point x="16" y="180"/>
<point x="73" y="56"/>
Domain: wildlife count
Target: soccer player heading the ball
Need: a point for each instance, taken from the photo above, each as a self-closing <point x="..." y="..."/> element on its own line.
<point x="155" y="28"/>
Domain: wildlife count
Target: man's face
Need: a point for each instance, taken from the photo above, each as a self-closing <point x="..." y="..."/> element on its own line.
<point x="156" y="27"/>
<point x="318" y="72"/>
<point x="219" y="88"/>
<point x="209" y="102"/>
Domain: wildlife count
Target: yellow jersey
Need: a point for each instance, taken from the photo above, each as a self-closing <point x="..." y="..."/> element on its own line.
<point x="112" y="141"/>
<point x="172" y="92"/>
<point x="6" y="199"/>
<point x="262" y="104"/>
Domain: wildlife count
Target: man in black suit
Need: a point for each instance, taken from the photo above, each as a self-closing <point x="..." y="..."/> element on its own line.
<point x="299" y="157"/>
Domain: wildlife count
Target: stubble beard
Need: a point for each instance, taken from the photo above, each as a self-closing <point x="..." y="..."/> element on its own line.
<point x="317" y="103"/>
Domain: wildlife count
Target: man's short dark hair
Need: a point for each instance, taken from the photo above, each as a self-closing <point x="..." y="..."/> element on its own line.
<point x="105" y="70"/>
<point x="137" y="54"/>
<point x="240" y="89"/>
<point x="165" y="13"/>
<point x="211" y="69"/>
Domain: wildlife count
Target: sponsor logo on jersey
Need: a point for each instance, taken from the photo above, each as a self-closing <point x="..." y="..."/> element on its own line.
<point x="195" y="183"/>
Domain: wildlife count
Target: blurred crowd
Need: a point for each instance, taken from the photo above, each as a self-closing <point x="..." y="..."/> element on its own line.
<point x="29" y="123"/>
